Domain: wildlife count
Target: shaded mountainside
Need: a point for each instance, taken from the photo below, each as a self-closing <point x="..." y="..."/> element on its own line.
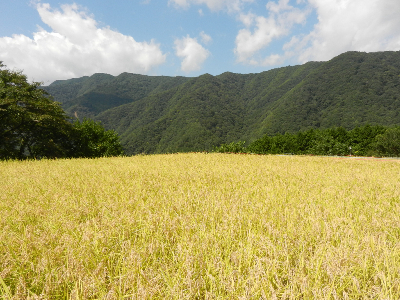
<point x="89" y="96"/>
<point x="156" y="114"/>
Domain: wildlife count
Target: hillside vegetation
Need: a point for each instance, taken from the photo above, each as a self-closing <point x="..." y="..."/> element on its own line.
<point x="365" y="140"/>
<point x="170" y="114"/>
<point x="200" y="226"/>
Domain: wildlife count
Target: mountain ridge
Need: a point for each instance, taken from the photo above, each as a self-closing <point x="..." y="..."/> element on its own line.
<point x="155" y="114"/>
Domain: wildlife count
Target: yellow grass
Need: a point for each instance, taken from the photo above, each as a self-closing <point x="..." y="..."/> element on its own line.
<point x="200" y="226"/>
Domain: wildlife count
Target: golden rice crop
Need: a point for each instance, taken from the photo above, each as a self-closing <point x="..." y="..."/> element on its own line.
<point x="200" y="226"/>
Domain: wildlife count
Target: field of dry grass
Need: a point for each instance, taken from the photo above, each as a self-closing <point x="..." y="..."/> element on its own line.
<point x="200" y="226"/>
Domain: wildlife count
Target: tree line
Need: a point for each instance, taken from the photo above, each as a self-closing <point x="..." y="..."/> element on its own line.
<point x="367" y="140"/>
<point x="33" y="125"/>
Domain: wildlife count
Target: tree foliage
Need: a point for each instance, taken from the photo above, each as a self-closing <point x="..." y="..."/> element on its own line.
<point x="233" y="147"/>
<point x="92" y="140"/>
<point x="361" y="141"/>
<point x="32" y="125"/>
<point x="388" y="143"/>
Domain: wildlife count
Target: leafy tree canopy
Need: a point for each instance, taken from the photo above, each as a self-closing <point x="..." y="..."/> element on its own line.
<point x="32" y="125"/>
<point x="92" y="140"/>
<point x="388" y="143"/>
<point x="364" y="140"/>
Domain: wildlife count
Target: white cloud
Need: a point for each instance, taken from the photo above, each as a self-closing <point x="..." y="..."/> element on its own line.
<point x="76" y="46"/>
<point x="193" y="54"/>
<point x="345" y="25"/>
<point x="281" y="19"/>
<point x="205" y="38"/>
<point x="278" y="7"/>
<point x="247" y="19"/>
<point x="273" y="59"/>
<point x="214" y="5"/>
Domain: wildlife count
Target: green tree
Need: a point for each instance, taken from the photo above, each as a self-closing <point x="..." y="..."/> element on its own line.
<point x="233" y="147"/>
<point x="388" y="143"/>
<point x="362" y="138"/>
<point x="331" y="141"/>
<point x="31" y="123"/>
<point x="92" y="140"/>
<point x="261" y="146"/>
<point x="305" y="140"/>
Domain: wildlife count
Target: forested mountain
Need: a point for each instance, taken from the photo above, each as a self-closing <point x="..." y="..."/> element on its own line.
<point x="166" y="114"/>
<point x="89" y="96"/>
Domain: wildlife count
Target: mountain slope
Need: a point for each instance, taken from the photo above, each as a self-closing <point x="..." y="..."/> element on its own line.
<point x="350" y="90"/>
<point x="89" y="96"/>
<point x="195" y="115"/>
<point x="169" y="114"/>
<point x="205" y="111"/>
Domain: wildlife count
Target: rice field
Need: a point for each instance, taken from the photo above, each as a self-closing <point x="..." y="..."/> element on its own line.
<point x="200" y="226"/>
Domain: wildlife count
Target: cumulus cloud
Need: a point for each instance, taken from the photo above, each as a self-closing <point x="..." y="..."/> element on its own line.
<point x="205" y="38"/>
<point x="76" y="46"/>
<point x="260" y="31"/>
<point x="343" y="25"/>
<point x="214" y="5"/>
<point x="272" y="60"/>
<point x="346" y="25"/>
<point x="192" y="53"/>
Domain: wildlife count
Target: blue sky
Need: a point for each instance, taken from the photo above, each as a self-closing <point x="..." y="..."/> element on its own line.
<point x="50" y="40"/>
